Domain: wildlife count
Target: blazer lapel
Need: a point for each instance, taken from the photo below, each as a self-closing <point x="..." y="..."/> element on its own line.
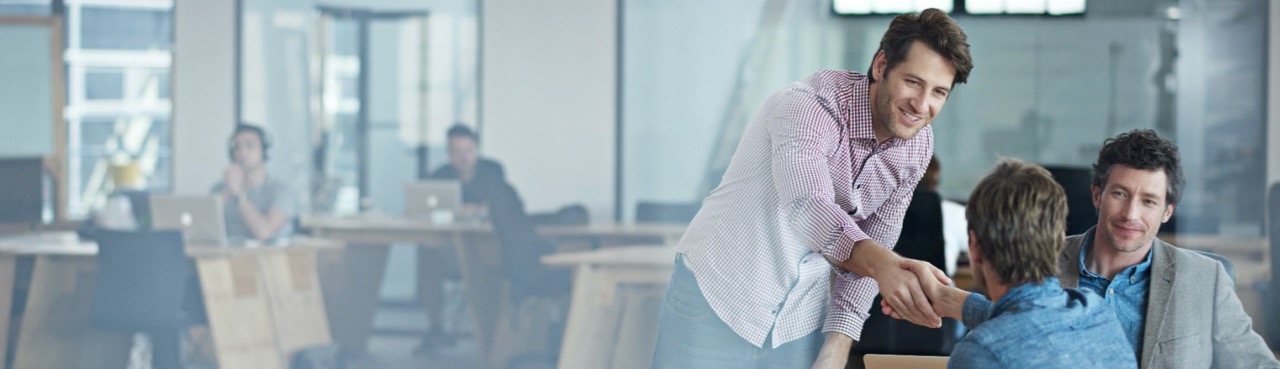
<point x="1158" y="297"/>
<point x="1069" y="260"/>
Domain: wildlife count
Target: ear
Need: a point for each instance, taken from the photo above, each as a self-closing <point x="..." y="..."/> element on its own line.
<point x="1168" y="212"/>
<point x="1096" y="195"/>
<point x="878" y="65"/>
<point x="975" y="256"/>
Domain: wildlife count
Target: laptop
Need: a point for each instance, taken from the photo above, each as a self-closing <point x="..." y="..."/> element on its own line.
<point x="435" y="200"/>
<point x="200" y="218"/>
<point x="876" y="361"/>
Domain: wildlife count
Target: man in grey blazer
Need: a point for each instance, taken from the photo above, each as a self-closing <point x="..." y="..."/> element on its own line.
<point x="1178" y="308"/>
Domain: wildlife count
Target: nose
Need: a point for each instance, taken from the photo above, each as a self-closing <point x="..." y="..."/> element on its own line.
<point x="1130" y="210"/>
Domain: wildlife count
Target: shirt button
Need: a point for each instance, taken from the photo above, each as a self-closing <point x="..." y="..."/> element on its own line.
<point x="1133" y="279"/>
<point x="1111" y="291"/>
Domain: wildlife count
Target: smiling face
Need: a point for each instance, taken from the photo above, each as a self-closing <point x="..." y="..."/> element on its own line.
<point x="1131" y="207"/>
<point x="909" y="96"/>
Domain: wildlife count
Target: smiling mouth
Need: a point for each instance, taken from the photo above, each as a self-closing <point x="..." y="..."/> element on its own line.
<point x="912" y="119"/>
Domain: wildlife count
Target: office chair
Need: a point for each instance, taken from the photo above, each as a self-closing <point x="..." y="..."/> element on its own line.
<point x="141" y="283"/>
<point x="666" y="212"/>
<point x="921" y="239"/>
<point x="1226" y="264"/>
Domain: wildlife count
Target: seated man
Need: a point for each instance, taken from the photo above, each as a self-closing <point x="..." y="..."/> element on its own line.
<point x="257" y="206"/>
<point x="1017" y="216"/>
<point x="480" y="178"/>
<point x="1178" y="308"/>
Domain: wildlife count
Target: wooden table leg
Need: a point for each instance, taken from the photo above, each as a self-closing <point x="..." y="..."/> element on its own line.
<point x="351" y="279"/>
<point x="55" y="329"/>
<point x="8" y="274"/>
<point x="239" y="312"/>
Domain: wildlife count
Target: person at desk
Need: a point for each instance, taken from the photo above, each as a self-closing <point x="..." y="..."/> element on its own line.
<point x="1178" y="308"/>
<point x="818" y="184"/>
<point x="1018" y="215"/>
<point x="480" y="177"/>
<point x="257" y="206"/>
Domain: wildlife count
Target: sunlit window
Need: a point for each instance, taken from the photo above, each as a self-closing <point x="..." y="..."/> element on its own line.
<point x="118" y="57"/>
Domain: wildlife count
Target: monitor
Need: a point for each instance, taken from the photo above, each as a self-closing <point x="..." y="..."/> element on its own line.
<point x="21" y="190"/>
<point x="1076" y="181"/>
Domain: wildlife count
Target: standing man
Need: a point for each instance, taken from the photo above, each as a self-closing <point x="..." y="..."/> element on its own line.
<point x="1018" y="215"/>
<point x="258" y="206"/>
<point x="1178" y="308"/>
<point x="820" y="180"/>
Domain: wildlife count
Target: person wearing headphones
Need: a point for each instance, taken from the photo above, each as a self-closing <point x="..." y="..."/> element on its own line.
<point x="257" y="206"/>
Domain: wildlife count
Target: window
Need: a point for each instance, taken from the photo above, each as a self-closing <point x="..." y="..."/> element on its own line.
<point x="118" y="105"/>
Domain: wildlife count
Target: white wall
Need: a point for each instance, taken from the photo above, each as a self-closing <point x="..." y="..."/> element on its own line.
<point x="203" y="91"/>
<point x="548" y="79"/>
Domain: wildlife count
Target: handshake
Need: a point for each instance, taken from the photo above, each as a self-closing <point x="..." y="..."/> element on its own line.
<point x="920" y="293"/>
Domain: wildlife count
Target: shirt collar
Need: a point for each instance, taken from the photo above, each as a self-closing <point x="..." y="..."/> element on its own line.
<point x="1024" y="294"/>
<point x="1139" y="270"/>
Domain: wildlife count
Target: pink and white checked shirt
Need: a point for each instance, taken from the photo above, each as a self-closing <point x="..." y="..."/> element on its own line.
<point x="794" y="193"/>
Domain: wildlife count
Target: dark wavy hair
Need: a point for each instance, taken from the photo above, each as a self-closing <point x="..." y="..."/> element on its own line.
<point x="1142" y="149"/>
<point x="936" y="30"/>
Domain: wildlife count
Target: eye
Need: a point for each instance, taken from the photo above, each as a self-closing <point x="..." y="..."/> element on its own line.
<point x="913" y="82"/>
<point x="940" y="93"/>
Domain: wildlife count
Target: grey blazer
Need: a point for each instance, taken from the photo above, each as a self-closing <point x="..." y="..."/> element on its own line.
<point x="1194" y="318"/>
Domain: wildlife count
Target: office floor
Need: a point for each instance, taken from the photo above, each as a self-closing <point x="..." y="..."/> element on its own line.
<point x="397" y="350"/>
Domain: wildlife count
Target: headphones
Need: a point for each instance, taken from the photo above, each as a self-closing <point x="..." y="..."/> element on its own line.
<point x="246" y="127"/>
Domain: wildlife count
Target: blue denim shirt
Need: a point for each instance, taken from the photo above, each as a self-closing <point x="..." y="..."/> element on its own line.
<point x="1042" y="325"/>
<point x="1126" y="294"/>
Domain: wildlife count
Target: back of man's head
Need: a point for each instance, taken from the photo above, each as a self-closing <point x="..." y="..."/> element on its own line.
<point x="1018" y="217"/>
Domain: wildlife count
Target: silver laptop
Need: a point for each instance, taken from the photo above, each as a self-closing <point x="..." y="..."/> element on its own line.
<point x="874" y="361"/>
<point x="435" y="200"/>
<point x="200" y="218"/>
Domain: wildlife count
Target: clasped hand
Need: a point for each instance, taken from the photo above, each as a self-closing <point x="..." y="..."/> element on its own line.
<point x="909" y="290"/>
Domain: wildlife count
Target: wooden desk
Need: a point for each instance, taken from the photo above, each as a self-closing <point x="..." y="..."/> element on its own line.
<point x="617" y="293"/>
<point x="262" y="303"/>
<point x="385" y="229"/>
<point x="352" y="282"/>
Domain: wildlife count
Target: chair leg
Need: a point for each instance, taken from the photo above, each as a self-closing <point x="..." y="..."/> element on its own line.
<point x="166" y="348"/>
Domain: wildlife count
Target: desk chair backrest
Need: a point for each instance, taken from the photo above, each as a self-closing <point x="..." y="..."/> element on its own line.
<point x="141" y="280"/>
<point x="666" y="212"/>
<point x="1226" y="264"/>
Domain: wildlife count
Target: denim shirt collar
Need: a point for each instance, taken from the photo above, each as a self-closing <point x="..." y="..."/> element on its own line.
<point x="1025" y="295"/>
<point x="1138" y="272"/>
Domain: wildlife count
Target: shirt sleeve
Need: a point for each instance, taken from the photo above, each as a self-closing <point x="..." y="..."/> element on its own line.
<point x="852" y="295"/>
<point x="850" y="303"/>
<point x="975" y="311"/>
<point x="969" y="354"/>
<point x="803" y="133"/>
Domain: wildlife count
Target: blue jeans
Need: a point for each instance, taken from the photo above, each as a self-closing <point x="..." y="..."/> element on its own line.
<point x="690" y="335"/>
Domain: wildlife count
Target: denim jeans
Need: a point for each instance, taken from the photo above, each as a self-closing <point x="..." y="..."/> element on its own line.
<point x="690" y="335"/>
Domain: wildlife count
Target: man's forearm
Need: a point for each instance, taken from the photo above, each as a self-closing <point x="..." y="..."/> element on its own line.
<point x="835" y="351"/>
<point x="867" y="258"/>
<point x="951" y="302"/>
